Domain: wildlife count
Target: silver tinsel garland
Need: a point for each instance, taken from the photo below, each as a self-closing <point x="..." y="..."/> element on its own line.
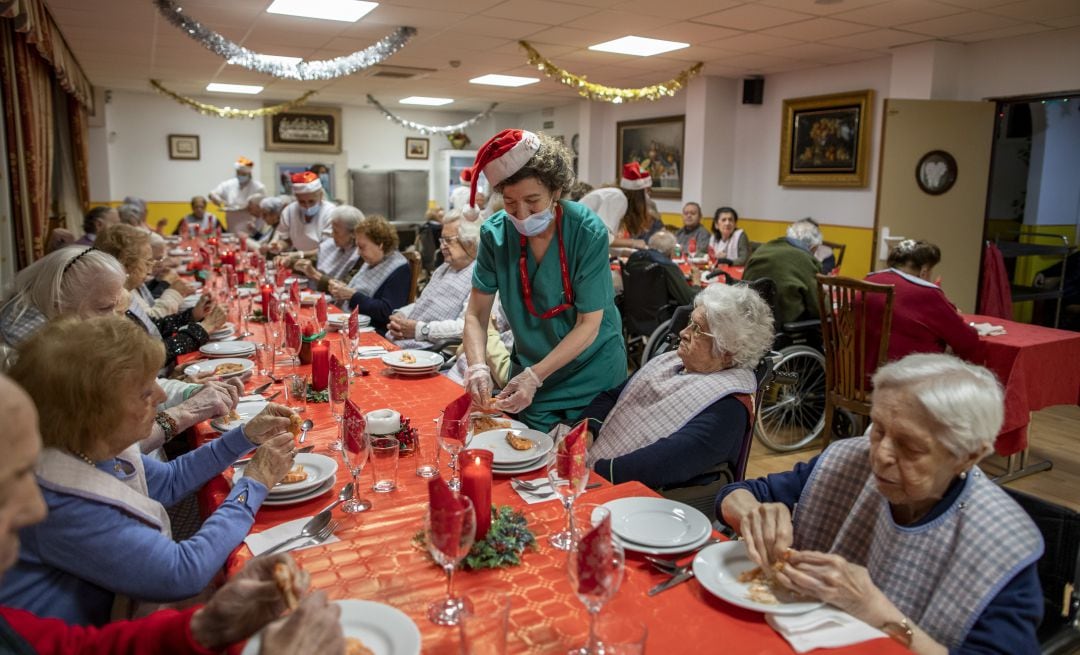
<point x="326" y="69"/>
<point x="432" y="129"/>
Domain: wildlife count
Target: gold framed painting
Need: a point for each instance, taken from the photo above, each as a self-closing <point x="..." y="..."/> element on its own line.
<point x="825" y="140"/>
<point x="657" y="145"/>
<point x="305" y="129"/>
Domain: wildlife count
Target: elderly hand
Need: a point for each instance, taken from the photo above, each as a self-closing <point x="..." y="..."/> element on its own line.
<point x="178" y="285"/>
<point x="313" y="627"/>
<point x="765" y="527"/>
<point x="401" y="327"/>
<point x="272" y="460"/>
<point x="215" y="319"/>
<point x="306" y="268"/>
<point x="215" y="399"/>
<point x="519" y="391"/>
<point x="272" y="420"/>
<point x="247" y="602"/>
<point x="201" y="308"/>
<point x="834" y="580"/>
<point x="478" y="384"/>
<point x="340" y="290"/>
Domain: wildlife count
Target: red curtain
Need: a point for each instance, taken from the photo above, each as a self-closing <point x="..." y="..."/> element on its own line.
<point x="80" y="149"/>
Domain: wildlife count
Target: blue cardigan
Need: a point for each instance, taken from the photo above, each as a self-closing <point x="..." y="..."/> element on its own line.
<point x="391" y="294"/>
<point x="1007" y="625"/>
<point x="72" y="564"/>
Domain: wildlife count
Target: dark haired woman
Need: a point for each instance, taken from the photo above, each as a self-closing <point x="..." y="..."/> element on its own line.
<point x="625" y="210"/>
<point x="728" y="242"/>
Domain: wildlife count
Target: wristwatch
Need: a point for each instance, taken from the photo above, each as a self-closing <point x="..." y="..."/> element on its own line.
<point x="900" y="632"/>
<point x="425" y="330"/>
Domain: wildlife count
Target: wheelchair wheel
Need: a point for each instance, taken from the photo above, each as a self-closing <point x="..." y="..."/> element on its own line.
<point x="657" y="343"/>
<point x="792" y="411"/>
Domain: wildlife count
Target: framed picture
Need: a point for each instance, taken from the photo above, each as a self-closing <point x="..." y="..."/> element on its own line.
<point x="825" y="140"/>
<point x="416" y="147"/>
<point x="184" y="146"/>
<point x="307" y="129"/>
<point x="936" y="172"/>
<point x="657" y="145"/>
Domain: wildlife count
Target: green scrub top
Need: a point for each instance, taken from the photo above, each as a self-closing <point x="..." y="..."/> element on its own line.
<point x="599" y="367"/>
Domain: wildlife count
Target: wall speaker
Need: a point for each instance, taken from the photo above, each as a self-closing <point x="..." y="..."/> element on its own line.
<point x="753" y="90"/>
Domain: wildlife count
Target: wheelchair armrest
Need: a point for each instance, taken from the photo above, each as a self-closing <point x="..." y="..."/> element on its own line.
<point x="802" y="326"/>
<point x="444" y="344"/>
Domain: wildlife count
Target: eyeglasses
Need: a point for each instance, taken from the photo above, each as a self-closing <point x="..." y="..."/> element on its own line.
<point x="445" y="241"/>
<point x="696" y="329"/>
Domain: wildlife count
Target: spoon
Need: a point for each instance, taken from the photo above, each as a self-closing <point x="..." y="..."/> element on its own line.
<point x="346" y="493"/>
<point x="311" y="528"/>
<point x="304" y="427"/>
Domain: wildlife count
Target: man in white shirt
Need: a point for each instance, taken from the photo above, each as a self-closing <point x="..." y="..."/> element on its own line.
<point x="234" y="193"/>
<point x="306" y="221"/>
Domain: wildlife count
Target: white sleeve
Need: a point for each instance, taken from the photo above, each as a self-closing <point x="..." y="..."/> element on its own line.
<point x="443" y="330"/>
<point x="406" y="310"/>
<point x="219" y="190"/>
<point x="610" y="207"/>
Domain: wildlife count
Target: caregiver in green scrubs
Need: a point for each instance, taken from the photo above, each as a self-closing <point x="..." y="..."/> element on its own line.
<point x="548" y="260"/>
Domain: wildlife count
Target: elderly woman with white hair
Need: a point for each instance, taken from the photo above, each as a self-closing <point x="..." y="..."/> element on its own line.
<point x="337" y="257"/>
<point x="267" y="240"/>
<point x="789" y="262"/>
<point x="686" y="412"/>
<point x="439" y="313"/>
<point x="900" y="528"/>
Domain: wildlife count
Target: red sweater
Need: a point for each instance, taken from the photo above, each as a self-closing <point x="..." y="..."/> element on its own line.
<point x="167" y="632"/>
<point x="923" y="321"/>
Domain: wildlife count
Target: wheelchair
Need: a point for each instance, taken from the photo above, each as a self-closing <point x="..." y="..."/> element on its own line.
<point x="791" y="406"/>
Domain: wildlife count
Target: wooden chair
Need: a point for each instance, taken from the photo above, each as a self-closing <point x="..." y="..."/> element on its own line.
<point x="414" y="270"/>
<point x="838" y="251"/>
<point x="848" y="358"/>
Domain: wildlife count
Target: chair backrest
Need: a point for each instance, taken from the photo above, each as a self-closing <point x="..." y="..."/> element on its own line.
<point x="848" y="357"/>
<point x="645" y="301"/>
<point x="428" y="244"/>
<point x="414" y="270"/>
<point x="838" y="251"/>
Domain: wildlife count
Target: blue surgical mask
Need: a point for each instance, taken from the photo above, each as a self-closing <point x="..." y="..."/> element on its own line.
<point x="313" y="211"/>
<point x="243" y="179"/>
<point x="534" y="224"/>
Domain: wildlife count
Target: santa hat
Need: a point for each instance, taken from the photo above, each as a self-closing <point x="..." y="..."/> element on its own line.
<point x="505" y="154"/>
<point x="466" y="175"/>
<point x="244" y="164"/>
<point x="306" y="182"/>
<point x="634" y="177"/>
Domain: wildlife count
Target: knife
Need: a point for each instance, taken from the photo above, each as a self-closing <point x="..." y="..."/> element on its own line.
<point x="675" y="579"/>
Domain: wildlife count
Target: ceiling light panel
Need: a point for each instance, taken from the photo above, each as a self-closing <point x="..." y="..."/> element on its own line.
<point x="346" y="11"/>
<point x="248" y="89"/>
<point x="638" y="46"/>
<point x="504" y="80"/>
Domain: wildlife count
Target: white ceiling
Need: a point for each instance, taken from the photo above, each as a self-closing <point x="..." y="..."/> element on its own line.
<point x="123" y="43"/>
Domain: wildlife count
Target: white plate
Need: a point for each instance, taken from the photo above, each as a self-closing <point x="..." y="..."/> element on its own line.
<point x="505" y="455"/>
<point x="222" y="335"/>
<point x="179" y="252"/>
<point x="424" y="360"/>
<point x="718" y="567"/>
<point x="528" y="467"/>
<point x="320" y="468"/>
<point x="657" y="522"/>
<point x="190" y="301"/>
<point x="278" y="501"/>
<point x="227" y="327"/>
<point x="244" y="292"/>
<point x="228" y="349"/>
<point x="384" y="629"/>
<point x="409" y="373"/>
<point x="309" y="297"/>
<point x="202" y="367"/>
<point x="247" y="411"/>
<point x="673" y="550"/>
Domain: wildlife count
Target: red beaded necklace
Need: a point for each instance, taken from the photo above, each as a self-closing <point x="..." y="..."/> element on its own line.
<point x="526" y="286"/>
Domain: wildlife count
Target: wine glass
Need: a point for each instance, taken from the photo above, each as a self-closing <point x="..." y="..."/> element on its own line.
<point x="244" y="303"/>
<point x="597" y="584"/>
<point x="450" y="535"/>
<point x="355" y="450"/>
<point x="293" y="341"/>
<point x="453" y="446"/>
<point x="559" y="471"/>
<point x="354" y="345"/>
<point x="338" y="392"/>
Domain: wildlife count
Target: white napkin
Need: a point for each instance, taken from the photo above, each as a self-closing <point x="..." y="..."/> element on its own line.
<point x="826" y="627"/>
<point x="370" y="352"/>
<point x="988" y="330"/>
<point x="260" y="542"/>
<point x="251" y="399"/>
<point x="543" y="490"/>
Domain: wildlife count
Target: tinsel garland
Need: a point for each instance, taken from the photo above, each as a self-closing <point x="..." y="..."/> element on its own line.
<point x="230" y="112"/>
<point x="615" y="95"/>
<point x="326" y="69"/>
<point x="432" y="129"/>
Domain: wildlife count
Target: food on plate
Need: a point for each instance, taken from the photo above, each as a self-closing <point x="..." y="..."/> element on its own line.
<point x="295" y="424"/>
<point x="232" y="416"/>
<point x="484" y="423"/>
<point x="283" y="577"/>
<point x="354" y="646"/>
<point x="519" y="443"/>
<point x="228" y="368"/>
<point x="764" y="588"/>
<point x="296" y="474"/>
<point x="408" y="358"/>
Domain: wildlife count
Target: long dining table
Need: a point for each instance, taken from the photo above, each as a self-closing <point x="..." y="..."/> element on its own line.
<point x="377" y="559"/>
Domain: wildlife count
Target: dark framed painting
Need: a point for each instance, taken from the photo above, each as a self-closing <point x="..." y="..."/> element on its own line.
<point x="657" y="144"/>
<point x="825" y="140"/>
<point x="184" y="146"/>
<point x="416" y="147"/>
<point x="307" y="129"/>
<point x="936" y="172"/>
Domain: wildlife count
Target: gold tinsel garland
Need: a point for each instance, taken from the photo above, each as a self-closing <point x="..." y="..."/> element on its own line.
<point x="616" y="95"/>
<point x="230" y="112"/>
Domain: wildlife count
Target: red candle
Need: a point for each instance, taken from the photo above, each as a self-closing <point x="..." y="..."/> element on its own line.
<point x="267" y="292"/>
<point x="228" y="257"/>
<point x="475" y="467"/>
<point x="320" y="365"/>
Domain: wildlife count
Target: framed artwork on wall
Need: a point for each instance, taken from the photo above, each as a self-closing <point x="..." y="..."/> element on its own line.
<point x="184" y="146"/>
<point x="416" y="147"/>
<point x="657" y="145"/>
<point x="306" y="129"/>
<point x="825" y="140"/>
<point x="936" y="172"/>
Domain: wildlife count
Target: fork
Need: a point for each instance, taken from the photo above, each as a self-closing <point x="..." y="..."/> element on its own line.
<point x="532" y="486"/>
<point x="317" y="538"/>
<point x="548" y="494"/>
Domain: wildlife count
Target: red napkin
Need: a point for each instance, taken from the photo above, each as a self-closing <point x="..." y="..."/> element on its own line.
<point x="446" y="518"/>
<point x="573" y="467"/>
<point x="353" y="426"/>
<point x="294" y="292"/>
<point x="354" y="323"/>
<point x="274" y="311"/>
<point x="339" y="379"/>
<point x="320" y="309"/>
<point x="594" y="554"/>
<point x="452" y="425"/>
<point x="292" y="331"/>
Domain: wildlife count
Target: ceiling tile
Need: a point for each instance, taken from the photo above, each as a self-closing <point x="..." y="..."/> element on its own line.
<point x="1003" y="33"/>
<point x="810" y="51"/>
<point x="891" y="14"/>
<point x="976" y="4"/>
<point x="1038" y="10"/>
<point x="822" y="9"/>
<point x="755" y="42"/>
<point x="496" y="28"/>
<point x="757" y="62"/>
<point x="464" y="6"/>
<point x="1068" y="21"/>
<point x="817" y="29"/>
<point x="609" y="25"/>
<point x="565" y="36"/>
<point x="966" y="23"/>
<point x="752" y="17"/>
<point x="688" y="32"/>
<point x="539" y="11"/>
<point x="677" y="10"/>
<point x="412" y="16"/>
<point x="878" y="39"/>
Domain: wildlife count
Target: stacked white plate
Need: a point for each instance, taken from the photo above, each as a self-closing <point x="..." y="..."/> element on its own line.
<point x="308" y="298"/>
<point x="383" y="629"/>
<point x="658" y="526"/>
<point x="423" y="362"/>
<point x="245" y="410"/>
<point x="203" y="367"/>
<point x="321" y="472"/>
<point x="718" y="568"/>
<point x="223" y="332"/>
<point x="336" y="322"/>
<point x="218" y="349"/>
<point x="508" y="460"/>
<point x="190" y="301"/>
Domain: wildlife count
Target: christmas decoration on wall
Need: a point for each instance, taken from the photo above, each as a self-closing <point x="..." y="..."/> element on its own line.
<point x="326" y="69"/>
<point x="230" y="112"/>
<point x="432" y="129"/>
<point x="615" y="95"/>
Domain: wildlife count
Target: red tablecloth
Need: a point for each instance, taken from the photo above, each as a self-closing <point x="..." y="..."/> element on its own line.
<point x="377" y="560"/>
<point x="1038" y="366"/>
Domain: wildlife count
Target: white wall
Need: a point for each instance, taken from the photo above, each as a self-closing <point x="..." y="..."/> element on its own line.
<point x="1025" y="65"/>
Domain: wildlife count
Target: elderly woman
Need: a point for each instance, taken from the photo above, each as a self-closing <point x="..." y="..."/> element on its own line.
<point x="267" y="240"/>
<point x="182" y="332"/>
<point x="547" y="259"/>
<point x="338" y="258"/>
<point x="382" y="283"/>
<point x="901" y="529"/>
<point x="685" y="413"/>
<point x="199" y="217"/>
<point x="659" y="253"/>
<point x="439" y="313"/>
<point x="163" y="291"/>
<point x="692" y="230"/>
<point x="624" y="210"/>
<point x="106" y="543"/>
<point x="728" y="242"/>
<point x="788" y="261"/>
